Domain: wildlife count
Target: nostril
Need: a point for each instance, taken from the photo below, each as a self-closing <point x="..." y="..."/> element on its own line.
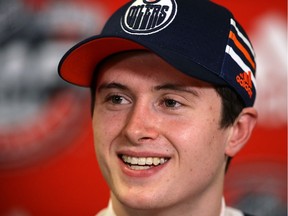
<point x="143" y="139"/>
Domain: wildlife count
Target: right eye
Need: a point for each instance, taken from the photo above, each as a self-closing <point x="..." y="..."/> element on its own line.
<point x="117" y="99"/>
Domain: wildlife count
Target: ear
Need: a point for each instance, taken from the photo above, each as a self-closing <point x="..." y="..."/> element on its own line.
<point x="241" y="131"/>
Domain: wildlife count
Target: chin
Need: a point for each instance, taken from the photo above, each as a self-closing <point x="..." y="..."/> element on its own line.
<point x="146" y="202"/>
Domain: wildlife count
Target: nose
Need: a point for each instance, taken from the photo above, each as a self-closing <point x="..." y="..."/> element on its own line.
<point x="142" y="124"/>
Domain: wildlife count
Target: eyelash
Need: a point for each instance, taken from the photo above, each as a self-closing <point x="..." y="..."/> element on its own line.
<point x="164" y="102"/>
<point x="168" y="99"/>
<point x="110" y="98"/>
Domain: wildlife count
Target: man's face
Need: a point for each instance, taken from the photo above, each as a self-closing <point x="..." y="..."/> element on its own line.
<point x="157" y="134"/>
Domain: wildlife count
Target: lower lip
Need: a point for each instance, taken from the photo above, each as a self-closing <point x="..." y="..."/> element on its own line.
<point x="141" y="173"/>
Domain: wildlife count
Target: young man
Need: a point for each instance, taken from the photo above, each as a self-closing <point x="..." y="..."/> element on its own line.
<point x="173" y="89"/>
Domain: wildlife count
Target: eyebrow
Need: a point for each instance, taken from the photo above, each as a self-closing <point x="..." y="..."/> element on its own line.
<point x="168" y="86"/>
<point x="176" y="87"/>
<point x="112" y="85"/>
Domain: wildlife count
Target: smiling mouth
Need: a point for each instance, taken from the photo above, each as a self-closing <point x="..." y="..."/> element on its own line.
<point x="143" y="163"/>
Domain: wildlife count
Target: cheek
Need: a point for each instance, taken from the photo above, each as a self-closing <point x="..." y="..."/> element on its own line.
<point x="198" y="141"/>
<point x="105" y="128"/>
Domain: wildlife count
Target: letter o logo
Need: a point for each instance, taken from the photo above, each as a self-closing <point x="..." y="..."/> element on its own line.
<point x="145" y="17"/>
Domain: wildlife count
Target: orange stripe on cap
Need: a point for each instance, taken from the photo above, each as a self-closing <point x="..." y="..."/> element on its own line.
<point x="233" y="37"/>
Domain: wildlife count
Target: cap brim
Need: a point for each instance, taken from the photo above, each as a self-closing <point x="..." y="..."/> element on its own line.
<point x="78" y="65"/>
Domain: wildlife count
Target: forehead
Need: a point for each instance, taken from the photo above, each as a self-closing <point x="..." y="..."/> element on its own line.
<point x="143" y="65"/>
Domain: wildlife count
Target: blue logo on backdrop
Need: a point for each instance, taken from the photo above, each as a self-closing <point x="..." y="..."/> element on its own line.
<point x="145" y="17"/>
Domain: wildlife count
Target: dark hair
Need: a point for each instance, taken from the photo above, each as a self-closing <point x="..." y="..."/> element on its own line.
<point x="232" y="105"/>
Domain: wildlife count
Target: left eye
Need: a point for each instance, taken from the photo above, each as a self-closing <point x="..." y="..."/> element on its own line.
<point x="171" y="103"/>
<point x="117" y="99"/>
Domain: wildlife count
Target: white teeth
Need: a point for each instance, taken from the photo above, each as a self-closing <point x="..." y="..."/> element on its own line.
<point x="149" y="161"/>
<point x="142" y="161"/>
<point x="133" y="160"/>
<point x="135" y="167"/>
<point x="156" y="161"/>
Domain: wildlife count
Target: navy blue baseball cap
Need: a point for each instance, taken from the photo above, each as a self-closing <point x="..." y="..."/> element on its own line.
<point x="200" y="38"/>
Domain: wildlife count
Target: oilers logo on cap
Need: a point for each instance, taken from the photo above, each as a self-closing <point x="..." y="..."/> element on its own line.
<point x="145" y="17"/>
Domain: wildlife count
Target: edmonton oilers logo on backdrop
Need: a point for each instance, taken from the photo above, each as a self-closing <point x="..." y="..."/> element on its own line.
<point x="145" y="17"/>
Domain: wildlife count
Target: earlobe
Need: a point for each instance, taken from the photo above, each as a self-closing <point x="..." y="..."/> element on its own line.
<point x="241" y="131"/>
